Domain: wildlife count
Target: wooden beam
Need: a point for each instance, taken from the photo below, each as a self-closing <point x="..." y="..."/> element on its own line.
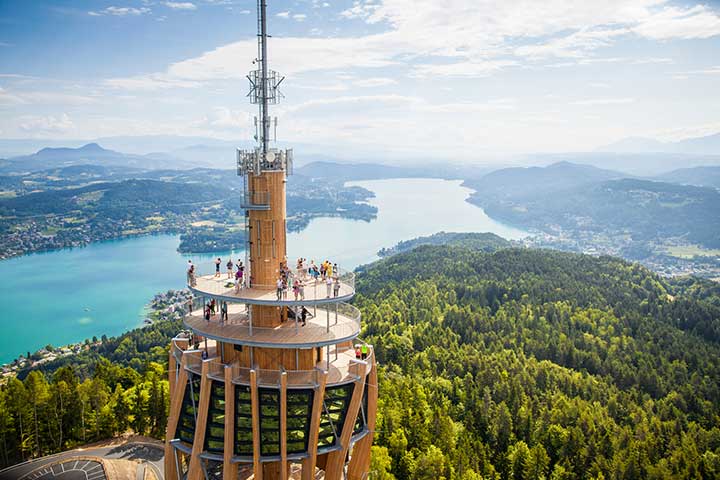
<point x="359" y="465"/>
<point x="255" y="405"/>
<point x="283" y="426"/>
<point x="336" y="458"/>
<point x="176" y="398"/>
<point x="229" y="468"/>
<point x="308" y="464"/>
<point x="195" y="472"/>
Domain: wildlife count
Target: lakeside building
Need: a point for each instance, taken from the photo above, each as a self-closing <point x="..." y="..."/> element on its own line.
<point x="258" y="392"/>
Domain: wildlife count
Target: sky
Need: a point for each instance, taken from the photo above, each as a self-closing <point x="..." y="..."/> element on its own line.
<point x="451" y="79"/>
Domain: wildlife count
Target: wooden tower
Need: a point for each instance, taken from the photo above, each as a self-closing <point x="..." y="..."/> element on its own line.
<point x="257" y="392"/>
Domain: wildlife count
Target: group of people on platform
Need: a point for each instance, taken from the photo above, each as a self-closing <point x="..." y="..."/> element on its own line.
<point x="326" y="273"/>
<point x="235" y="272"/>
<point x="210" y="309"/>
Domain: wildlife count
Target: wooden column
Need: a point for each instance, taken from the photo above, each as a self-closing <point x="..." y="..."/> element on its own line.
<point x="359" y="465"/>
<point x="267" y="229"/>
<point x="172" y="363"/>
<point x="176" y="398"/>
<point x="336" y="459"/>
<point x="195" y="472"/>
<point x="308" y="464"/>
<point x="229" y="468"/>
<point x="255" y="405"/>
<point x="283" y="427"/>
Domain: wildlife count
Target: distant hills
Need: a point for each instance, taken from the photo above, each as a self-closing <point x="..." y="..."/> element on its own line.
<point x="485" y="241"/>
<point x="528" y="181"/>
<point x="707" y="145"/>
<point x="581" y="198"/>
<point x="90" y="154"/>
<point x="700" y="176"/>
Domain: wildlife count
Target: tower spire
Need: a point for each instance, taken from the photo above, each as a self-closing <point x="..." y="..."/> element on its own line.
<point x="262" y="52"/>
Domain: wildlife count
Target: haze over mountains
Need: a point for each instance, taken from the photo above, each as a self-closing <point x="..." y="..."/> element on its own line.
<point x="633" y="156"/>
<point x="707" y="145"/>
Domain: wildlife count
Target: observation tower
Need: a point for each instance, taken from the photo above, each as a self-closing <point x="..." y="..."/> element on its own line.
<point x="257" y="392"/>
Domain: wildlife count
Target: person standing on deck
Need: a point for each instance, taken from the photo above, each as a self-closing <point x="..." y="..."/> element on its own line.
<point x="229" y="266"/>
<point x="223" y="312"/>
<point x="279" y="286"/>
<point x="336" y="286"/>
<point x="304" y="314"/>
<point x="328" y="284"/>
<point x="296" y="288"/>
<point x="217" y="267"/>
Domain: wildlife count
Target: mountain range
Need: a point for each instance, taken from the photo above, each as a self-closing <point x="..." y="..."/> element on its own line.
<point x="90" y="154"/>
<point x="706" y="145"/>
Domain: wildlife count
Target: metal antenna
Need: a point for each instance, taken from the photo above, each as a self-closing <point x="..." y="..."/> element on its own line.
<point x="264" y="92"/>
<point x="262" y="51"/>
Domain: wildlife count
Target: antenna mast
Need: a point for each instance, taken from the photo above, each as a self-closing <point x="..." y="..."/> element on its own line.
<point x="262" y="53"/>
<point x="264" y="92"/>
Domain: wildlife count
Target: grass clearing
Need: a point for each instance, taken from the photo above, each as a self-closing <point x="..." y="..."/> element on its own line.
<point x="691" y="251"/>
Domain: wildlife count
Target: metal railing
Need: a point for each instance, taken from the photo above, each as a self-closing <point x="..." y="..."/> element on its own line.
<point x="254" y="200"/>
<point x="337" y="320"/>
<point x="266" y="377"/>
<point x="315" y="288"/>
<point x="177" y="351"/>
<point x="193" y="362"/>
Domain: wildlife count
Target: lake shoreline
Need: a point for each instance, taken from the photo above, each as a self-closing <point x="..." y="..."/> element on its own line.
<point x="63" y="296"/>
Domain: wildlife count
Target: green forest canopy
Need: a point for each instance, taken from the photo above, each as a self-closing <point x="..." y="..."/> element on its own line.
<point x="521" y="364"/>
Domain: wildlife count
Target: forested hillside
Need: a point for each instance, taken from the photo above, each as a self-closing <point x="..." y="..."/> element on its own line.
<point x="538" y="364"/>
<point x="513" y="364"/>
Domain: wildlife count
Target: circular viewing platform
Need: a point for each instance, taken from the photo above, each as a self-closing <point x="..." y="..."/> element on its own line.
<point x="340" y="367"/>
<point x="316" y="292"/>
<point x="325" y="325"/>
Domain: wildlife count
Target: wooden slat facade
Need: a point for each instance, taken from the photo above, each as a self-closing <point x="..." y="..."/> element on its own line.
<point x="317" y="356"/>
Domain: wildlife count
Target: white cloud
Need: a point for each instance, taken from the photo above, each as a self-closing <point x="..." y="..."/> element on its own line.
<point x="674" y="22"/>
<point x="224" y="118"/>
<point x="689" y="131"/>
<point x="374" y="82"/>
<point x="602" y="101"/>
<point x="35" y="125"/>
<point x="181" y="5"/>
<point x="299" y="17"/>
<point x="285" y="14"/>
<point x="121" y="11"/>
<point x="575" y="45"/>
<point x="7" y="98"/>
<point x="707" y="71"/>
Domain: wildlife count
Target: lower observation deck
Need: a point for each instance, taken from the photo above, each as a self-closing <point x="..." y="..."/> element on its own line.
<point x="339" y="366"/>
<point x="315" y="291"/>
<point x="330" y="324"/>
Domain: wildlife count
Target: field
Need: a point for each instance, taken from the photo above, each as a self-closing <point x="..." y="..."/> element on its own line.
<point x="691" y="251"/>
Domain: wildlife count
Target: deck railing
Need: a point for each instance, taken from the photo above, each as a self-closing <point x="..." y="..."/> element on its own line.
<point x="314" y="288"/>
<point x="255" y="200"/>
<point x="265" y="377"/>
<point x="338" y="320"/>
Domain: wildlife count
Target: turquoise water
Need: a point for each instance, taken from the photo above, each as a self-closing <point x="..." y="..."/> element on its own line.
<point x="66" y="296"/>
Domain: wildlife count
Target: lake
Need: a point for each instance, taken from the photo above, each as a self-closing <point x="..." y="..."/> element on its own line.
<point x="65" y="296"/>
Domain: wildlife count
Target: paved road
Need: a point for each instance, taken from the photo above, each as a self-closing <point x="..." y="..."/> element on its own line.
<point x="151" y="454"/>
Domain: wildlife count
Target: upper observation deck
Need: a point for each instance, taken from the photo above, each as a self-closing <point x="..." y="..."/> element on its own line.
<point x="325" y="325"/>
<point x="314" y="291"/>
